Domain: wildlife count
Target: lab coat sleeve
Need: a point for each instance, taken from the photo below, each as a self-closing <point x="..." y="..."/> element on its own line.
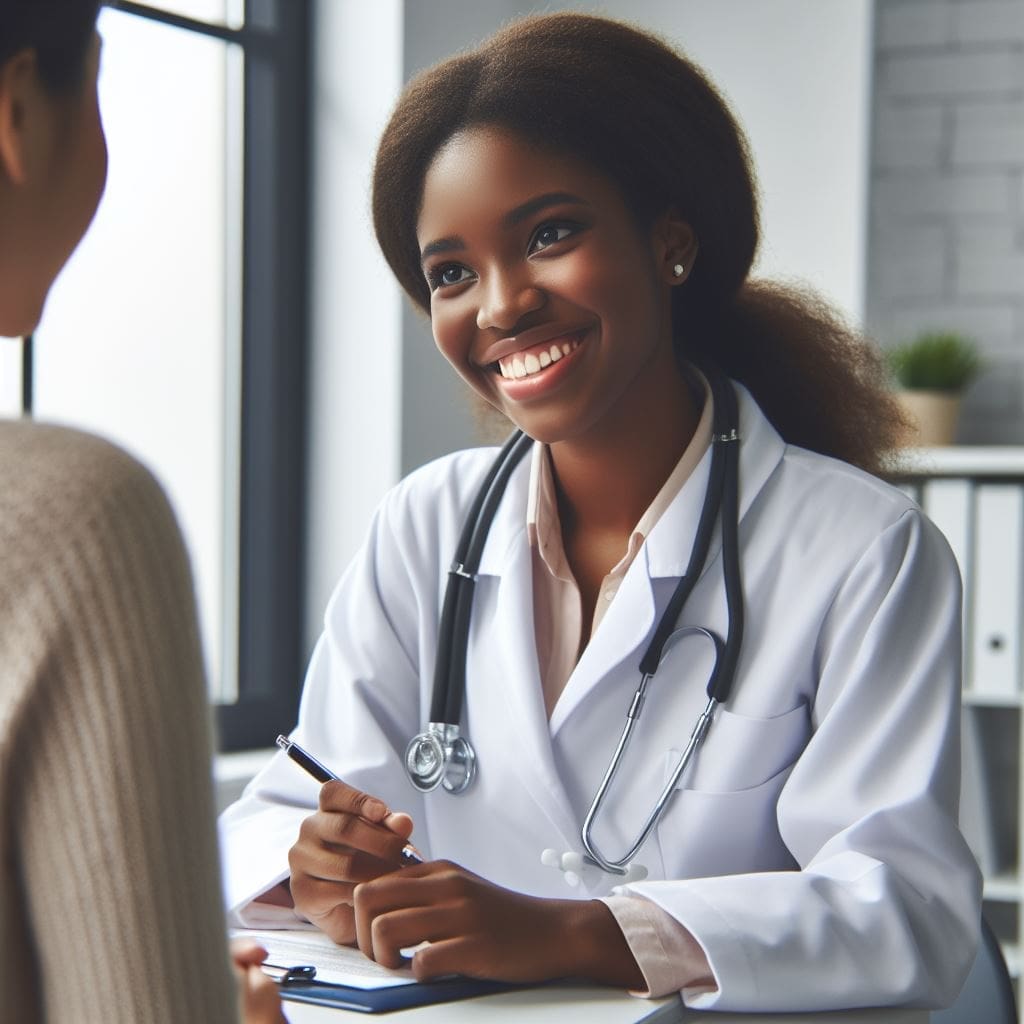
<point x="360" y="704"/>
<point x="885" y="907"/>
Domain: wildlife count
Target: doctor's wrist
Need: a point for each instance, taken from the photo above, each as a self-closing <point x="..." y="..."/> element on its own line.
<point x="595" y="946"/>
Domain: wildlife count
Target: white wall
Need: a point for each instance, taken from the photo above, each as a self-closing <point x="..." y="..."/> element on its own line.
<point x="797" y="74"/>
<point x="354" y="415"/>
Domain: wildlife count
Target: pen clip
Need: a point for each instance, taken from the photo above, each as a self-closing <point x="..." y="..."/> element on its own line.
<point x="287" y="975"/>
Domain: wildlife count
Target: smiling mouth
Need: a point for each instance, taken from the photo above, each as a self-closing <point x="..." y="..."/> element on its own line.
<point x="526" y="364"/>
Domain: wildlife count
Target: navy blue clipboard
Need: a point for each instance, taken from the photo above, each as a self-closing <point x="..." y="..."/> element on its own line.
<point x="397" y="997"/>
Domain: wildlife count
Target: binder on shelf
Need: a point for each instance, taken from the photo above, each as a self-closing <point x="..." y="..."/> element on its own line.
<point x="976" y="820"/>
<point x="947" y="503"/>
<point x="996" y="597"/>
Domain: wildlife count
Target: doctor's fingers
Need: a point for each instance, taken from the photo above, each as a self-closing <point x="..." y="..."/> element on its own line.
<point x="384" y="936"/>
<point x="343" y="830"/>
<point x="337" y="865"/>
<point x="328" y="905"/>
<point x="426" y="902"/>
<point x="339" y="796"/>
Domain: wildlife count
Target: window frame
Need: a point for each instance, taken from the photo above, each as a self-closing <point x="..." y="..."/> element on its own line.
<point x="275" y="40"/>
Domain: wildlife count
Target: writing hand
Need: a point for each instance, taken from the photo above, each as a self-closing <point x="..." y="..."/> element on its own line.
<point x="352" y="838"/>
<point x="481" y="930"/>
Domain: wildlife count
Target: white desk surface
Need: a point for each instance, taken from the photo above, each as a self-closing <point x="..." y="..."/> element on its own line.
<point x="558" y="1004"/>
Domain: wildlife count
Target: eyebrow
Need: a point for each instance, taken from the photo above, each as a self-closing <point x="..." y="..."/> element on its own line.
<point x="511" y="219"/>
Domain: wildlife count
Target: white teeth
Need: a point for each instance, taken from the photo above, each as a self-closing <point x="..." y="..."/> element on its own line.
<point x="525" y="365"/>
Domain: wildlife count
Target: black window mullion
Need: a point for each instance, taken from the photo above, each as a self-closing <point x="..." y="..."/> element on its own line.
<point x="274" y="372"/>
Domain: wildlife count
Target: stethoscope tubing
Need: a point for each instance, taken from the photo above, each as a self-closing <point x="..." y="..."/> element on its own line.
<point x="721" y="504"/>
<point x="463" y="579"/>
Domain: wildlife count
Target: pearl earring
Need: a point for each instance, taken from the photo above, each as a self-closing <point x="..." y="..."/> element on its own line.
<point x="678" y="270"/>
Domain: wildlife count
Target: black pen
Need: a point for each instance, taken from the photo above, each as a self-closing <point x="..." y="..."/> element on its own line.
<point x="304" y="759"/>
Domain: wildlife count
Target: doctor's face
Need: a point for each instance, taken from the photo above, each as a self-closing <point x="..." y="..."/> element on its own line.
<point x="546" y="297"/>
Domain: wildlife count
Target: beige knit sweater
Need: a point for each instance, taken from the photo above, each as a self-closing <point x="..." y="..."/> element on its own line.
<point x="110" y="899"/>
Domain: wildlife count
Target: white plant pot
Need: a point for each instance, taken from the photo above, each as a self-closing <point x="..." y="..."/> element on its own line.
<point x="933" y="417"/>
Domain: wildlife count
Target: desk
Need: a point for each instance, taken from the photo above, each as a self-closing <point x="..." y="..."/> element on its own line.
<point x="559" y="1004"/>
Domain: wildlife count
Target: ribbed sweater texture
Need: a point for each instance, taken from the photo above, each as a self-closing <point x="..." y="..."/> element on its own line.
<point x="111" y="906"/>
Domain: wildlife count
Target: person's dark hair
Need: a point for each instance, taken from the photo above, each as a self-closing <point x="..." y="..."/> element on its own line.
<point x="630" y="106"/>
<point x="58" y="30"/>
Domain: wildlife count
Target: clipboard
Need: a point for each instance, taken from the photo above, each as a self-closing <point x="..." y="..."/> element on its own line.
<point x="383" y="1000"/>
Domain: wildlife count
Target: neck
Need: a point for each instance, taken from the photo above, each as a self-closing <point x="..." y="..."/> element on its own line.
<point x="605" y="483"/>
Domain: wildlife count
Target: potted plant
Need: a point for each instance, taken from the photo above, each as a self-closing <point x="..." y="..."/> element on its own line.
<point x="931" y="372"/>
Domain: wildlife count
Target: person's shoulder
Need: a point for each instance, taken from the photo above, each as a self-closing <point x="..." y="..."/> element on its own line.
<point x="839" y="490"/>
<point x="61" y="484"/>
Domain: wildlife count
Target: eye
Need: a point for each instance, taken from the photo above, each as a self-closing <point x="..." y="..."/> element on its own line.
<point x="447" y="274"/>
<point x="548" y="234"/>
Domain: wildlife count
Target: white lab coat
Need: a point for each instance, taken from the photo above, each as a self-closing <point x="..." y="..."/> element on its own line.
<point x="812" y="848"/>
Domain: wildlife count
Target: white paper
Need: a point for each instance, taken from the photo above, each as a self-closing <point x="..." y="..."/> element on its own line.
<point x="336" y="965"/>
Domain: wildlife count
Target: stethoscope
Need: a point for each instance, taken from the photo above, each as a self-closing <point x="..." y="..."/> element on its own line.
<point x="442" y="756"/>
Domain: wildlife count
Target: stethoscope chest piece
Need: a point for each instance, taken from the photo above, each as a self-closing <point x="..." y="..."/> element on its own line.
<point x="440" y="756"/>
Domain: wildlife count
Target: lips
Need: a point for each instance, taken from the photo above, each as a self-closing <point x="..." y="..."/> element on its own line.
<point x="529" y="361"/>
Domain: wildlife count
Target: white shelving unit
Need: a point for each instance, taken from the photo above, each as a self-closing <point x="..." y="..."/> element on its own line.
<point x="992" y="806"/>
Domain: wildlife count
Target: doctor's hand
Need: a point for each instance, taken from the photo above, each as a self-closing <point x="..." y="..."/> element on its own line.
<point x="481" y="930"/>
<point x="352" y="838"/>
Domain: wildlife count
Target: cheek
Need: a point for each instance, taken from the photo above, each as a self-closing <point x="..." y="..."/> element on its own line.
<point x="453" y="325"/>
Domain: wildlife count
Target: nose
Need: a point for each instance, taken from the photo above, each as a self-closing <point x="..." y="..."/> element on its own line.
<point x="507" y="298"/>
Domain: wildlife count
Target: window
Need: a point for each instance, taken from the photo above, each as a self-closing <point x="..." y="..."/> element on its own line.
<point x="178" y="329"/>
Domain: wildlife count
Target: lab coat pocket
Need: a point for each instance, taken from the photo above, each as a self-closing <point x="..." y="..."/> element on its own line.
<point x="722" y="818"/>
<point x="741" y="752"/>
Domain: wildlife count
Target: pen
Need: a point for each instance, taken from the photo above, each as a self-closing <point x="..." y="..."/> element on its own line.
<point x="304" y="759"/>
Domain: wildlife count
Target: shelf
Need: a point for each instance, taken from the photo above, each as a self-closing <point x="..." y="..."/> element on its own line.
<point x="960" y="460"/>
<point x="1012" y="956"/>
<point x="1003" y="888"/>
<point x="992" y="700"/>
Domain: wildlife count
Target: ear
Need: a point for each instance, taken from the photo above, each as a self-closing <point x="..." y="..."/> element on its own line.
<point x="19" y="98"/>
<point x="676" y="247"/>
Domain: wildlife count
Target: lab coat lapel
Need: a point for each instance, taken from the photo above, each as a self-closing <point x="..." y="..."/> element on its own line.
<point x="509" y="652"/>
<point x="625" y="630"/>
<point x="761" y="448"/>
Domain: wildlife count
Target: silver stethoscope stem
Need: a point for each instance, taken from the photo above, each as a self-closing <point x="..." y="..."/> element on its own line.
<point x="617" y="866"/>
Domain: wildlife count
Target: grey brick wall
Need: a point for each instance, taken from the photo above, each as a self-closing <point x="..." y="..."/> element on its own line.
<point x="946" y="230"/>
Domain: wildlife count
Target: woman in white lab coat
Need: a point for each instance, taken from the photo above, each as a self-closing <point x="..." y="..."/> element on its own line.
<point x="573" y="205"/>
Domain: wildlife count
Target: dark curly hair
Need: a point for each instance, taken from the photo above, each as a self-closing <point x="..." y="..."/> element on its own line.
<point x="58" y="30"/>
<point x="646" y="117"/>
